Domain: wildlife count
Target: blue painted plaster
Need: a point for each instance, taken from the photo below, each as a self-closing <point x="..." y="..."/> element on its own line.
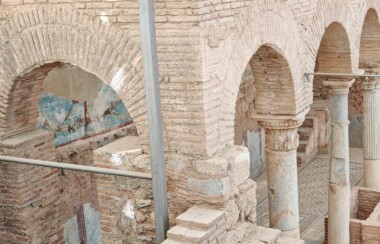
<point x="72" y="120"/>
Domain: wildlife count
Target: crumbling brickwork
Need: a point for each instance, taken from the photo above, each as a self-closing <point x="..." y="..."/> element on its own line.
<point x="125" y="204"/>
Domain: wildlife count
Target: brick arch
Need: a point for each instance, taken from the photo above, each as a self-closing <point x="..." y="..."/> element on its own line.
<point x="34" y="37"/>
<point x="328" y="12"/>
<point x="334" y="52"/>
<point x="369" y="56"/>
<point x="270" y="30"/>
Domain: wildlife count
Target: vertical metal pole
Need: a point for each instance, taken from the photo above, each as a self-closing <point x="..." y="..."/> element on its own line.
<point x="152" y="91"/>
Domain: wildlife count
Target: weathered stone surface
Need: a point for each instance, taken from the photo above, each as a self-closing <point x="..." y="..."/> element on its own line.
<point x="200" y="218"/>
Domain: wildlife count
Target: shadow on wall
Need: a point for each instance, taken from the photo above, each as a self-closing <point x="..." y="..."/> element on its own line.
<point x="248" y="133"/>
<point x="75" y="105"/>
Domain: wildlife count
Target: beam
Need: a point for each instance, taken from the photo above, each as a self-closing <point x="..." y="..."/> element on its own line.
<point x="153" y="101"/>
<point x="75" y="167"/>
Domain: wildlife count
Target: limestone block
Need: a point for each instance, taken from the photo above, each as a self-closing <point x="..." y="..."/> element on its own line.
<point x="246" y="200"/>
<point x="212" y="167"/>
<point x="238" y="161"/>
<point x="184" y="234"/>
<point x="217" y="187"/>
<point x="200" y="218"/>
<point x="232" y="214"/>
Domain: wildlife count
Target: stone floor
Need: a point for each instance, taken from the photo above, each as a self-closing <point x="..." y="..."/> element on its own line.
<point x="312" y="182"/>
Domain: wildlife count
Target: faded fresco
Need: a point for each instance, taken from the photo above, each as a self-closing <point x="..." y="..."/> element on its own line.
<point x="72" y="120"/>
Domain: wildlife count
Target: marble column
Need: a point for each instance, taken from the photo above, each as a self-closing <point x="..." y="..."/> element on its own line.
<point x="281" y="142"/>
<point x="371" y="131"/>
<point x="339" y="178"/>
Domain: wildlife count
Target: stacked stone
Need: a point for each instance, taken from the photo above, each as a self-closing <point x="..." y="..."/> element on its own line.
<point x="125" y="204"/>
<point x="30" y="196"/>
<point x="222" y="182"/>
<point x="198" y="225"/>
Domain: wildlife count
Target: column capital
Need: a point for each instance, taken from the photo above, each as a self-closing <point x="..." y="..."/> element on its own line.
<point x="370" y="83"/>
<point x="339" y="86"/>
<point x="279" y="122"/>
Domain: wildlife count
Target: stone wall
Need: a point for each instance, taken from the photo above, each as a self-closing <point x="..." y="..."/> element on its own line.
<point x="125" y="204"/>
<point x="78" y="188"/>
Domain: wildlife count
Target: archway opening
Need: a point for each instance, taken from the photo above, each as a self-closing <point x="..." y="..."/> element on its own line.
<point x="333" y="56"/>
<point x="58" y="112"/>
<point x="369" y="61"/>
<point x="266" y="88"/>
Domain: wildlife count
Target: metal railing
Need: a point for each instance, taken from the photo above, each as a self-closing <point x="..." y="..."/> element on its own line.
<point x="75" y="167"/>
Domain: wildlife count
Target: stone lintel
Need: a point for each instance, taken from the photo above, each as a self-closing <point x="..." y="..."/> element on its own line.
<point x="339" y="86"/>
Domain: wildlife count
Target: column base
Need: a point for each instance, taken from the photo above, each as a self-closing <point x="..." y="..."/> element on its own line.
<point x="292" y="233"/>
<point x="372" y="173"/>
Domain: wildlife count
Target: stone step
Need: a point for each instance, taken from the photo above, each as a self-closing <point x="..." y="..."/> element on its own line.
<point x="200" y="218"/>
<point x="304" y="133"/>
<point x="186" y="235"/>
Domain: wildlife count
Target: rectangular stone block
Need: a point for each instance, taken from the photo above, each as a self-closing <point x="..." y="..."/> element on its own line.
<point x="217" y="187"/>
<point x="200" y="218"/>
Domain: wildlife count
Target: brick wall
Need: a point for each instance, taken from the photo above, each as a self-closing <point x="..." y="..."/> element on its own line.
<point x="22" y="110"/>
<point x="30" y="195"/>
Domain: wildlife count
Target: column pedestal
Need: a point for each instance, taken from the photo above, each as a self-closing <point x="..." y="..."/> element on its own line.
<point x="371" y="132"/>
<point x="339" y="179"/>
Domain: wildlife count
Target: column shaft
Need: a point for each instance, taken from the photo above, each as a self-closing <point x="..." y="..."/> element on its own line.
<point x="281" y="162"/>
<point x="371" y="133"/>
<point x="339" y="179"/>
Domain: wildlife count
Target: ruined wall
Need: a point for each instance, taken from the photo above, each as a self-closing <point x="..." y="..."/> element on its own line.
<point x="30" y="195"/>
<point x="77" y="187"/>
<point x="125" y="204"/>
<point x="203" y="48"/>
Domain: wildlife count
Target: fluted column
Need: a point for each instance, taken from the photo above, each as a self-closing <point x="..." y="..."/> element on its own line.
<point x="371" y="132"/>
<point x="339" y="180"/>
<point x="281" y="142"/>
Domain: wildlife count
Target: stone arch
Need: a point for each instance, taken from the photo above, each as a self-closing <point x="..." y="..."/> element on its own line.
<point x="38" y="36"/>
<point x="270" y="30"/>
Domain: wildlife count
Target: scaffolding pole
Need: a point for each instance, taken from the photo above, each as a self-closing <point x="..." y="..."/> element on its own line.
<point x="75" y="167"/>
<point x="153" y="101"/>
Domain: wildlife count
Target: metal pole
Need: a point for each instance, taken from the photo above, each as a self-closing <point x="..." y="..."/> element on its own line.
<point x="83" y="168"/>
<point x="152" y="92"/>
